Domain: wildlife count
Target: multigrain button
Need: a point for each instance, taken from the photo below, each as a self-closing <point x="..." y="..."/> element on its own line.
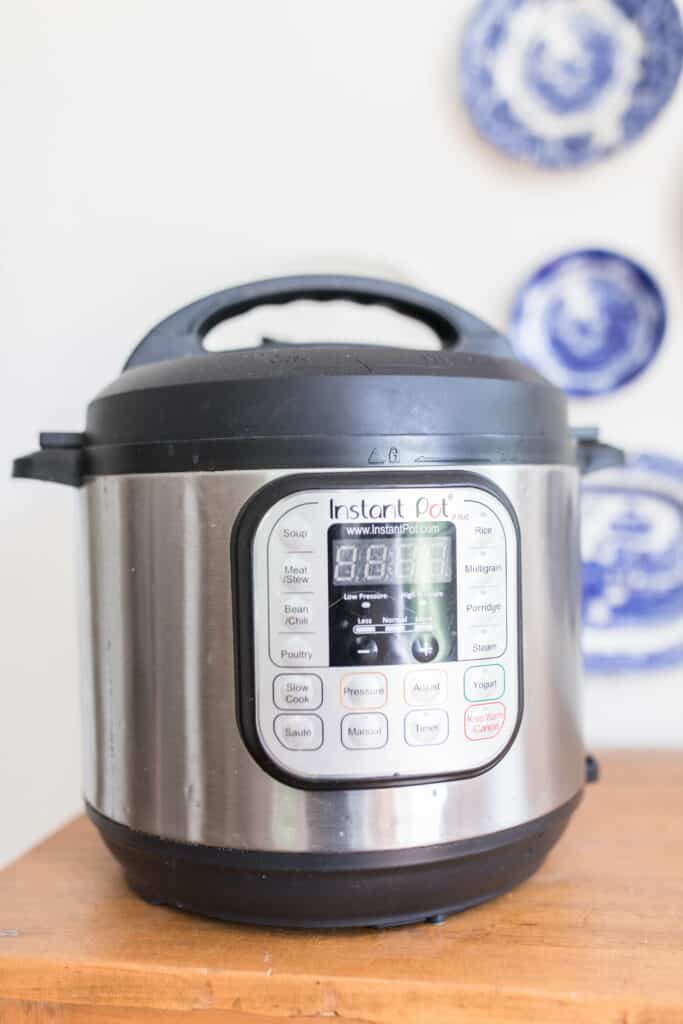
<point x="364" y="690"/>
<point x="484" y="721"/>
<point x="299" y="732"/>
<point x="364" y="732"/>
<point x="296" y="572"/>
<point x="484" y="682"/>
<point x="293" y="650"/>
<point x="426" y="728"/>
<point x="296" y="613"/>
<point x="425" y="686"/>
<point x="297" y="693"/>
<point x="295" y="532"/>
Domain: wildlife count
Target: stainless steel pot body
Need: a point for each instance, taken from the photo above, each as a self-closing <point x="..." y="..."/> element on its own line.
<point x="163" y="753"/>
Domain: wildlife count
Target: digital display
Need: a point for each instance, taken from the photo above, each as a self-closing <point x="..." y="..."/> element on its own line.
<point x="397" y="559"/>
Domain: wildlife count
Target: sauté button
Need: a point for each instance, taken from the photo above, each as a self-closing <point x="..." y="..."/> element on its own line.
<point x="425" y="647"/>
<point x="484" y="682"/>
<point x="364" y="690"/>
<point x="294" y="693"/>
<point x="299" y="732"/>
<point x="364" y="732"/>
<point x="425" y="686"/>
<point x="426" y="728"/>
<point x="295" y="532"/>
<point x="484" y="721"/>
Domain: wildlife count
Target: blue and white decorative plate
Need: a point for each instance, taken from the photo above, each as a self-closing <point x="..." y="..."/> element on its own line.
<point x="632" y="545"/>
<point x="589" y="321"/>
<point x="566" y="82"/>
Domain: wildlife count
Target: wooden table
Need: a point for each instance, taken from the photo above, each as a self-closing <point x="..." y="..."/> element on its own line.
<point x="596" y="936"/>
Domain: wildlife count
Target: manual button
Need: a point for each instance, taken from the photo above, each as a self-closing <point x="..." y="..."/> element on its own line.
<point x="364" y="732"/>
<point x="299" y="732"/>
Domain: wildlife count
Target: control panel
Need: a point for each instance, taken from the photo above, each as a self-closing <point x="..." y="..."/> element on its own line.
<point x="385" y="632"/>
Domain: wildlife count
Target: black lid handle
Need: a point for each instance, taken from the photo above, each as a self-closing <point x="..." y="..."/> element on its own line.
<point x="182" y="333"/>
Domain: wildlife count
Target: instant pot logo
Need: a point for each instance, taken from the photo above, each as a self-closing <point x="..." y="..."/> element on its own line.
<point x="420" y="508"/>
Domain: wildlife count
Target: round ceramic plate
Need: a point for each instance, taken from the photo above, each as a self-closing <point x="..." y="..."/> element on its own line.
<point x="632" y="545"/>
<point x="589" y="321"/>
<point x="566" y="82"/>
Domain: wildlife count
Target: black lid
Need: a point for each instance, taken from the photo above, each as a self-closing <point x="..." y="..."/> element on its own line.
<point x="178" y="407"/>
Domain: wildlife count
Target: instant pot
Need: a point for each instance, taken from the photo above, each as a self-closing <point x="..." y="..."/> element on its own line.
<point x="331" y="615"/>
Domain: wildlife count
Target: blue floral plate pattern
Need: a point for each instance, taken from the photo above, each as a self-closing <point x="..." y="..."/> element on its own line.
<point x="589" y="321"/>
<point x="566" y="82"/>
<point x="632" y="544"/>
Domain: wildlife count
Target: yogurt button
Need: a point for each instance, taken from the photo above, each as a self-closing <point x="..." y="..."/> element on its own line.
<point x="484" y="682"/>
<point x="299" y="732"/>
<point x="295" y="693"/>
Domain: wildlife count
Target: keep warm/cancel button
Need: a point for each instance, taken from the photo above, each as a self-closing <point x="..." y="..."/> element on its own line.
<point x="484" y="721"/>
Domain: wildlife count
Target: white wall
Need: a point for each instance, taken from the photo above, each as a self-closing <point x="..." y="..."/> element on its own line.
<point x="156" y="150"/>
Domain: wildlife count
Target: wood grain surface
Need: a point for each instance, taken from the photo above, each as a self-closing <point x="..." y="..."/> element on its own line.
<point x="596" y="936"/>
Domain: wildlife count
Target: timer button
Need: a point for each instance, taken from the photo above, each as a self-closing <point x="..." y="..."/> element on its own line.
<point x="425" y="647"/>
<point x="364" y="650"/>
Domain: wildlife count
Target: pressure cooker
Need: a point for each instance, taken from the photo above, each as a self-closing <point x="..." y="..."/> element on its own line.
<point x="331" y="614"/>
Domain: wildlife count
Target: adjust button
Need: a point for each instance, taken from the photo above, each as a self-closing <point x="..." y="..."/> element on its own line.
<point x="425" y="686"/>
<point x="426" y="728"/>
<point x="296" y="693"/>
<point x="364" y="690"/>
<point x="299" y="732"/>
<point x="364" y="732"/>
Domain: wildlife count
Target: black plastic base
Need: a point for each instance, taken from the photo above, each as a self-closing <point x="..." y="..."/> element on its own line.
<point x="313" y="890"/>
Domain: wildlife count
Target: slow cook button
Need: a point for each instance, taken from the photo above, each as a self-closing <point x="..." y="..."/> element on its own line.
<point x="364" y="690"/>
<point x="425" y="686"/>
<point x="426" y="728"/>
<point x="484" y="721"/>
<point x="297" y="572"/>
<point x="484" y="682"/>
<point x="299" y="732"/>
<point x="364" y="732"/>
<point x="295" y="693"/>
<point x="294" y="650"/>
<point x="295" y="532"/>
<point x="296" y="613"/>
